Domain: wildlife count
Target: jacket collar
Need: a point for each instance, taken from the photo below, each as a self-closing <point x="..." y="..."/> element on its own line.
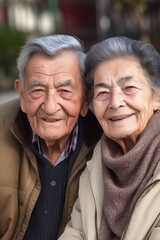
<point x="96" y="180"/>
<point x="90" y="123"/>
<point x="19" y="128"/>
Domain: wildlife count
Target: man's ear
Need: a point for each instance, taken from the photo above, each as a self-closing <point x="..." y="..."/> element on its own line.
<point x="19" y="88"/>
<point x="84" y="109"/>
<point x="86" y="104"/>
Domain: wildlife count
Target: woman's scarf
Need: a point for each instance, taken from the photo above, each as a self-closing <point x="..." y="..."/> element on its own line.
<point x="125" y="177"/>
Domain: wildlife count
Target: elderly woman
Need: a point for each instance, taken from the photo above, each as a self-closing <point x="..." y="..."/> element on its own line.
<point x="119" y="194"/>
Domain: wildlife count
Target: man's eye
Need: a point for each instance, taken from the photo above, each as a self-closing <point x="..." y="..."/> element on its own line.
<point x="66" y="94"/>
<point x="64" y="90"/>
<point x="38" y="90"/>
<point x="36" y="93"/>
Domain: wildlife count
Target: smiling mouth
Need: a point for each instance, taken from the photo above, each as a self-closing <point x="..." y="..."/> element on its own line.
<point x="118" y="118"/>
<point x="51" y="120"/>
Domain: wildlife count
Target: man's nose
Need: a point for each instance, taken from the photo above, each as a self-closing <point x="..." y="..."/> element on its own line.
<point x="51" y="103"/>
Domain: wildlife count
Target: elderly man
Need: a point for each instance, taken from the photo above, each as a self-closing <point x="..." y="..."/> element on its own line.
<point x="45" y="140"/>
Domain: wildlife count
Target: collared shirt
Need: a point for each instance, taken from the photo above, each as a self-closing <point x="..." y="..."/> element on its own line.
<point x="71" y="145"/>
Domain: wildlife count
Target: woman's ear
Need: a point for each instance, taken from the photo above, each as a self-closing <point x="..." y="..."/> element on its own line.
<point x="156" y="101"/>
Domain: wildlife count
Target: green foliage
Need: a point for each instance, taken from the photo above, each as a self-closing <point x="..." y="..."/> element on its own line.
<point x="10" y="42"/>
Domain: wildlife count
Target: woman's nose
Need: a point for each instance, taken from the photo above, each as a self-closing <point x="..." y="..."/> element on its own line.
<point x="116" y="100"/>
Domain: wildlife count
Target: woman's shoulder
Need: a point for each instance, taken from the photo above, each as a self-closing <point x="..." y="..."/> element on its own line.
<point x="94" y="164"/>
<point x="96" y="157"/>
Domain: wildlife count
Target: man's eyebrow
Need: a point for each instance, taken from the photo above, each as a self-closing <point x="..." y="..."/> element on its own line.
<point x="35" y="83"/>
<point x="63" y="84"/>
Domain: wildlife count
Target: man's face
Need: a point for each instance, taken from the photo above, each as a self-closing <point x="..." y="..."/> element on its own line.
<point x="52" y="96"/>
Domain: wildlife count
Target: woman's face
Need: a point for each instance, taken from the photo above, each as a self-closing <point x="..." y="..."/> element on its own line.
<point x="123" y="100"/>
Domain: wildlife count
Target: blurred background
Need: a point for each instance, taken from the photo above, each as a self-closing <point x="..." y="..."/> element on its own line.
<point x="90" y="20"/>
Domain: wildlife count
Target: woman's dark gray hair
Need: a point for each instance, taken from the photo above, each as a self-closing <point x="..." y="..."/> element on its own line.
<point x="114" y="47"/>
<point x="50" y="46"/>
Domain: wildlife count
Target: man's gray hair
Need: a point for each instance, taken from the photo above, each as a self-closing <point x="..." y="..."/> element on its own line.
<point x="50" y="46"/>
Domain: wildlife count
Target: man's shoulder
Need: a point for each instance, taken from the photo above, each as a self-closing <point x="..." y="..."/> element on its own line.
<point x="8" y="113"/>
<point x="9" y="108"/>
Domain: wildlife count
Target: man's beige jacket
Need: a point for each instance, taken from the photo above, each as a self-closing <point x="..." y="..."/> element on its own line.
<point x="19" y="178"/>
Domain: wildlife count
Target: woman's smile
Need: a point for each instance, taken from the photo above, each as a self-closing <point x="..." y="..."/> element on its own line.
<point x="119" y="117"/>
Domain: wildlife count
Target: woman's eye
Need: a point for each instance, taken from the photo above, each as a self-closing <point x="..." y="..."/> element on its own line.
<point x="129" y="90"/>
<point x="101" y="96"/>
<point x="130" y="87"/>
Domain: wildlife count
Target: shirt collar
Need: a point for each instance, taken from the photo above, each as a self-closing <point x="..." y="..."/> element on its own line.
<point x="71" y="145"/>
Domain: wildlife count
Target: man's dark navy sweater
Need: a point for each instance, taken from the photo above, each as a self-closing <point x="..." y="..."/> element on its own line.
<point x="47" y="214"/>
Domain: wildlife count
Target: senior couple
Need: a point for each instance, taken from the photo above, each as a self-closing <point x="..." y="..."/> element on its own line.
<point x="54" y="156"/>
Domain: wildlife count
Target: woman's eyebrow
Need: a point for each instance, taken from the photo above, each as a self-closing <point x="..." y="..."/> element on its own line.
<point x="120" y="80"/>
<point x="125" y="79"/>
<point x="101" y="84"/>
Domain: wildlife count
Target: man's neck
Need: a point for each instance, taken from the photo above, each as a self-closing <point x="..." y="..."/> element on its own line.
<point x="53" y="152"/>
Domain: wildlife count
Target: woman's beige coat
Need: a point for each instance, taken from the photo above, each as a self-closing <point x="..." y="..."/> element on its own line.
<point x="87" y="211"/>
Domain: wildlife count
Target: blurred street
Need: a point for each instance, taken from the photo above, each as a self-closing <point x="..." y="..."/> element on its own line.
<point x="6" y="96"/>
